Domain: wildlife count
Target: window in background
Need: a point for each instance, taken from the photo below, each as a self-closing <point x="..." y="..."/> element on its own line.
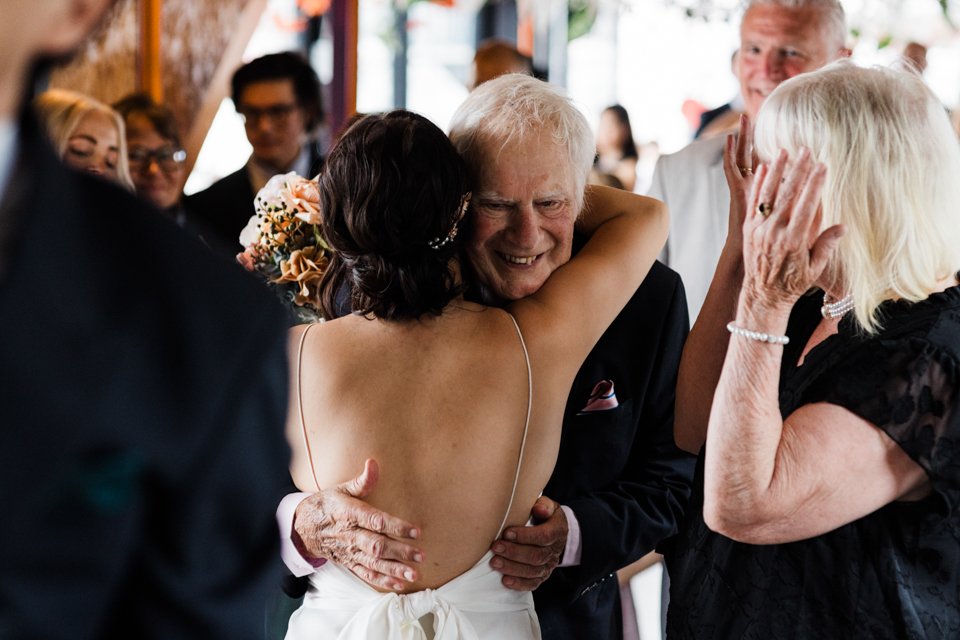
<point x="439" y="52"/>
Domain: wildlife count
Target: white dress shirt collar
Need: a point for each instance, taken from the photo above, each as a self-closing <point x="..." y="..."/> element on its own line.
<point x="260" y="174"/>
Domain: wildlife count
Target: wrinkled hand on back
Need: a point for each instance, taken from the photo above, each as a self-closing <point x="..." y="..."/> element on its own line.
<point x="337" y="525"/>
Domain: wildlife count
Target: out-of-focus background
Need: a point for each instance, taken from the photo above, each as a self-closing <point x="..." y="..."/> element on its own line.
<point x="664" y="60"/>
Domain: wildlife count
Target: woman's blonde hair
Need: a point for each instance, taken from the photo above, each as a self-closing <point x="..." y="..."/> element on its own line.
<point x="893" y="177"/>
<point x="60" y="112"/>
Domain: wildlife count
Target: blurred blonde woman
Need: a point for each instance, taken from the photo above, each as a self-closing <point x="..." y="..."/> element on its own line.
<point x="86" y="134"/>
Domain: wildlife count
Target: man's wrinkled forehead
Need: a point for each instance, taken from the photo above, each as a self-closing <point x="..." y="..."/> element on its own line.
<point x="791" y="25"/>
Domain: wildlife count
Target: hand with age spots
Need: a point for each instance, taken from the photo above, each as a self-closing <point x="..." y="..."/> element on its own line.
<point x="526" y="556"/>
<point x="337" y="525"/>
<point x="784" y="251"/>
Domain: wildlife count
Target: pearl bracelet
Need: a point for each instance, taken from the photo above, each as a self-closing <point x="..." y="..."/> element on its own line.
<point x="756" y="335"/>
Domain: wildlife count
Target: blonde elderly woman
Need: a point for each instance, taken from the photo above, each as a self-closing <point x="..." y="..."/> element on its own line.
<point x="828" y="496"/>
<point x="87" y="134"/>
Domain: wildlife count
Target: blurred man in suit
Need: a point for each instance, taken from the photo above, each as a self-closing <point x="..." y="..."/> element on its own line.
<point x="278" y="97"/>
<point x="142" y="384"/>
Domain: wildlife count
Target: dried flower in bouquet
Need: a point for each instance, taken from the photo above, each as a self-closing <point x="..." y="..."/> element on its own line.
<point x="282" y="242"/>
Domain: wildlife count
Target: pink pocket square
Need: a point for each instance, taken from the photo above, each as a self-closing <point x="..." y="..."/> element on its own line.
<point x="602" y="398"/>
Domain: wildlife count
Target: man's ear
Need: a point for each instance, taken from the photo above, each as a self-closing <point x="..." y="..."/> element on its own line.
<point x="70" y="24"/>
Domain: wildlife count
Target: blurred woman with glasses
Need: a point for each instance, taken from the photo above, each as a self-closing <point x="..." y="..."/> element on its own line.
<point x="155" y="154"/>
<point x="157" y="161"/>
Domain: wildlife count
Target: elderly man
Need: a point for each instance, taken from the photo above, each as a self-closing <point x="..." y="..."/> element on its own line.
<point x="620" y="483"/>
<point x="278" y="97"/>
<point x="143" y="395"/>
<point x="778" y="40"/>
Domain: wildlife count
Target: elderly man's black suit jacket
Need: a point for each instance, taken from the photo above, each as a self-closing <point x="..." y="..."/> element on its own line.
<point x="142" y="403"/>
<point x="618" y="469"/>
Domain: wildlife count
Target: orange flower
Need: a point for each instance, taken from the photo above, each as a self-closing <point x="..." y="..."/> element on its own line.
<point x="305" y="267"/>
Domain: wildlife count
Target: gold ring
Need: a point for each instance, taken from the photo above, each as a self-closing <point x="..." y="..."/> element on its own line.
<point x="746" y="171"/>
<point x="765" y="208"/>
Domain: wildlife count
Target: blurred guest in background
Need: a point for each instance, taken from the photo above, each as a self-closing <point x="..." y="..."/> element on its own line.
<point x="915" y="54"/>
<point x="158" y="164"/>
<point x="496" y="57"/>
<point x="87" y="134"/>
<point x="604" y="179"/>
<point x="278" y="97"/>
<point x="778" y="40"/>
<point x="616" y="149"/>
<point x="155" y="154"/>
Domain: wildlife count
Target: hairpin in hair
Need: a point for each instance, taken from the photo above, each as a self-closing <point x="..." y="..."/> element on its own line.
<point x="439" y="243"/>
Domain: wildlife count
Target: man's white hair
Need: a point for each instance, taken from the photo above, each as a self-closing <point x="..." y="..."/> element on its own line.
<point x="519" y="107"/>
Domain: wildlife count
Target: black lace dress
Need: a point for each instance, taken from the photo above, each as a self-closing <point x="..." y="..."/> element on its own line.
<point x="892" y="574"/>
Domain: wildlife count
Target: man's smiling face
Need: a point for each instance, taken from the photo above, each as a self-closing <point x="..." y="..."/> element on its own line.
<point x="777" y="43"/>
<point x="523" y="214"/>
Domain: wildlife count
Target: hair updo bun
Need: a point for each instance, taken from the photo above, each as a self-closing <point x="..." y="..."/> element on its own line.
<point x="392" y="191"/>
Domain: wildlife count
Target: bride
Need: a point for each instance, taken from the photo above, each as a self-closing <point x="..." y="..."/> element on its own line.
<point x="460" y="403"/>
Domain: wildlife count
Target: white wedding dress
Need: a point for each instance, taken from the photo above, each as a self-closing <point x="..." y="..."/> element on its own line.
<point x="473" y="606"/>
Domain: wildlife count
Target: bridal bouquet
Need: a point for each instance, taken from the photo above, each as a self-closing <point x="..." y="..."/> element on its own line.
<point x="282" y="242"/>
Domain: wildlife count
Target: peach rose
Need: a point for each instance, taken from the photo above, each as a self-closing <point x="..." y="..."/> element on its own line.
<point x="305" y="198"/>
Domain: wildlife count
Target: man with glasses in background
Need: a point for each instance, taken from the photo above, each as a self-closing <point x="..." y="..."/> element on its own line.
<point x="278" y="97"/>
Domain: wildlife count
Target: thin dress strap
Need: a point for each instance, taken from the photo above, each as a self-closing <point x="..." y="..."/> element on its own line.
<point x="526" y="424"/>
<point x="303" y="424"/>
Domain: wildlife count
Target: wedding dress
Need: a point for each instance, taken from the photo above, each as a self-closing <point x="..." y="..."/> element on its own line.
<point x="473" y="606"/>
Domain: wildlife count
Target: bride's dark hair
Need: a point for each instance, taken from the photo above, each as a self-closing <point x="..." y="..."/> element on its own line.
<point x="391" y="192"/>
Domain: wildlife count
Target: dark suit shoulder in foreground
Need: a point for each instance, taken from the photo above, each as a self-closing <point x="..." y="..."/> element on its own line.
<point x="144" y="392"/>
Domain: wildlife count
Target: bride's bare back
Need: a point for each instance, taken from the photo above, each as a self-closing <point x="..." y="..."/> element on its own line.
<point x="441" y="404"/>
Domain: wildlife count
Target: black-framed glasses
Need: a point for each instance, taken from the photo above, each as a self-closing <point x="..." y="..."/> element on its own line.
<point x="275" y="113"/>
<point x="167" y="158"/>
